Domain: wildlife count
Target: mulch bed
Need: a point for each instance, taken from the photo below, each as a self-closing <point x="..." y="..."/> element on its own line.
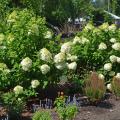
<point x="108" y="109"/>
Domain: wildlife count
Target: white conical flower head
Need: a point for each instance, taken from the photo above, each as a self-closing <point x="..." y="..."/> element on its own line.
<point x="35" y="83"/>
<point x="118" y="75"/>
<point x="45" y="55"/>
<point x="113" y="40"/>
<point x="108" y="66"/>
<point x="118" y="59"/>
<point x="113" y="58"/>
<point x="18" y="89"/>
<point x="44" y="69"/>
<point x="66" y="47"/>
<point x="48" y="35"/>
<point x="72" y="66"/>
<point x="101" y="76"/>
<point x="76" y="40"/>
<point x="59" y="58"/>
<point x="26" y="64"/>
<point x="102" y="46"/>
<point x="116" y="46"/>
<point x="109" y="87"/>
<point x="112" y="27"/>
<point x="72" y="57"/>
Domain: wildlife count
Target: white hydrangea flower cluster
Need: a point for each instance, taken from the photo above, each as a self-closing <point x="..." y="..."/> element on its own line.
<point x="118" y="75"/>
<point x="113" y="58"/>
<point x="4" y="68"/>
<point x="81" y="40"/>
<point x="116" y="46"/>
<point x="60" y="58"/>
<point x="72" y="57"/>
<point x="113" y="40"/>
<point x="72" y="66"/>
<point x="66" y="47"/>
<point x="108" y="66"/>
<point x="101" y="76"/>
<point x="109" y="87"/>
<point x="104" y="26"/>
<point x="48" y="35"/>
<point x="76" y="40"/>
<point x="26" y="64"/>
<point x="112" y="27"/>
<point x="44" y="69"/>
<point x="18" y="89"/>
<point x="118" y="59"/>
<point x="35" y="83"/>
<point x="84" y="40"/>
<point x="102" y="46"/>
<point x="45" y="55"/>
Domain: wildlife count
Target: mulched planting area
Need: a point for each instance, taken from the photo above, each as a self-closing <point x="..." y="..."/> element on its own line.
<point x="107" y="110"/>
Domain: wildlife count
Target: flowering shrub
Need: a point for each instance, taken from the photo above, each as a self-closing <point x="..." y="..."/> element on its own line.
<point x="28" y="57"/>
<point x="101" y="52"/>
<point x="21" y="37"/>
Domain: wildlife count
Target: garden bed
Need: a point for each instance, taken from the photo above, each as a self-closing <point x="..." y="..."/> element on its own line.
<point x="106" y="110"/>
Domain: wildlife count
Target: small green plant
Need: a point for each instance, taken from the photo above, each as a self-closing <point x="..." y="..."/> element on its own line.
<point x="13" y="103"/>
<point x="94" y="88"/>
<point x="65" y="112"/>
<point x="42" y="115"/>
<point x="116" y="86"/>
<point x="60" y="102"/>
<point x="68" y="112"/>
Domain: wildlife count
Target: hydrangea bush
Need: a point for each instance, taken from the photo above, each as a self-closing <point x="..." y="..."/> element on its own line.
<point x="98" y="48"/>
<point x="30" y="57"/>
<point x="22" y="35"/>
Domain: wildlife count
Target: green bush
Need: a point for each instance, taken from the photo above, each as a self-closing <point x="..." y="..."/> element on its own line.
<point x="21" y="35"/>
<point x="65" y="112"/>
<point x="98" y="49"/>
<point x="14" y="103"/>
<point x="68" y="112"/>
